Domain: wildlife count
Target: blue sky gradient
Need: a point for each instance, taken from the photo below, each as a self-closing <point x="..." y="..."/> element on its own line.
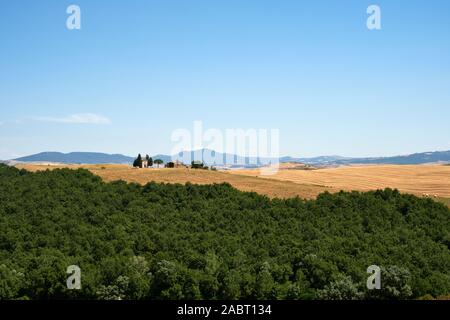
<point x="145" y="68"/>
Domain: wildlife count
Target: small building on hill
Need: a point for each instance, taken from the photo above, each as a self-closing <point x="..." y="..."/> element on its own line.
<point x="144" y="163"/>
<point x="141" y="162"/>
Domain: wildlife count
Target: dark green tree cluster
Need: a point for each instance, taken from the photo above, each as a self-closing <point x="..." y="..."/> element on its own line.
<point x="149" y="160"/>
<point x="198" y="165"/>
<point x="137" y="163"/>
<point x="170" y="164"/>
<point x="158" y="162"/>
<point x="166" y="241"/>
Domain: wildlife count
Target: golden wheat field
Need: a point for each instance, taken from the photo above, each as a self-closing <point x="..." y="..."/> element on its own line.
<point x="271" y="188"/>
<point x="431" y="179"/>
<point x="291" y="180"/>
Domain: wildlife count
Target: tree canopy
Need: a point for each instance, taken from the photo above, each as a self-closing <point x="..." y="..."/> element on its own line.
<point x="171" y="241"/>
<point x="158" y="162"/>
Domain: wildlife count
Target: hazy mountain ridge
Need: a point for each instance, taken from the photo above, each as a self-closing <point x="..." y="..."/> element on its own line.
<point x="77" y="157"/>
<point x="415" y="158"/>
<point x="211" y="157"/>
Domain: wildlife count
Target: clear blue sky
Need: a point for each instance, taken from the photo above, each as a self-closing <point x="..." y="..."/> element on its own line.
<point x="144" y="68"/>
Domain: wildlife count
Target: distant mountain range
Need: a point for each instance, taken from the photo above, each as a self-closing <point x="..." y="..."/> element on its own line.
<point x="211" y="157"/>
<point x="415" y="158"/>
<point x="77" y="157"/>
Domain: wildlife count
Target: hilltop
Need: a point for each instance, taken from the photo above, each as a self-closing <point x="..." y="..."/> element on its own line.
<point x="269" y="187"/>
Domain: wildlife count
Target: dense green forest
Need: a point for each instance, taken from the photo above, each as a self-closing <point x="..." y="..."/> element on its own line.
<point x="162" y="241"/>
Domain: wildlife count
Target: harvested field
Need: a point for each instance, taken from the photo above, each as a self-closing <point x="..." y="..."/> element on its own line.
<point x="271" y="188"/>
<point x="291" y="180"/>
<point x="417" y="179"/>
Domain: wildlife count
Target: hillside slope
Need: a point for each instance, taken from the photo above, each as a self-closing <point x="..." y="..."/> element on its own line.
<point x="416" y="179"/>
<point x="271" y="188"/>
